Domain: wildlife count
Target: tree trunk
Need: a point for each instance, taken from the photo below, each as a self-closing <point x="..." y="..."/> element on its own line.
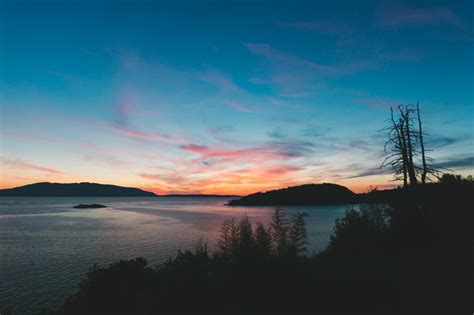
<point x="399" y="130"/>
<point x="403" y="148"/>
<point x="422" y="146"/>
<point x="409" y="148"/>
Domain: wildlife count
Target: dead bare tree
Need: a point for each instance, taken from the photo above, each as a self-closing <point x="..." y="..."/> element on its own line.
<point x="397" y="158"/>
<point x="405" y="147"/>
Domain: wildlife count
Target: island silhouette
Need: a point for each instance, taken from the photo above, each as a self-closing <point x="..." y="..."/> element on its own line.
<point x="74" y="190"/>
<point x="309" y="194"/>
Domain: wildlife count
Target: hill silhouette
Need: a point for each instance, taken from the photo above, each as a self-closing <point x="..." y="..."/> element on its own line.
<point x="74" y="190"/>
<point x="309" y="194"/>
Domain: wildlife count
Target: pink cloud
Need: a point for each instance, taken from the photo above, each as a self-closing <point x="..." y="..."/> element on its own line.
<point x="237" y="106"/>
<point x="28" y="136"/>
<point x="27" y="165"/>
<point x="124" y="111"/>
<point x="150" y="176"/>
<point x="224" y="170"/>
<point x="126" y="104"/>
<point x="145" y="136"/>
<point x="123" y="130"/>
<point x="223" y="180"/>
<point x="266" y="152"/>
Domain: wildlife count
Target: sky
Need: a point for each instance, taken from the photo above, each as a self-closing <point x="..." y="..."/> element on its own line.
<point x="228" y="97"/>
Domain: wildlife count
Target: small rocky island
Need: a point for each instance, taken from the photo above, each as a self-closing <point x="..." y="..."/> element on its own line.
<point x="89" y="206"/>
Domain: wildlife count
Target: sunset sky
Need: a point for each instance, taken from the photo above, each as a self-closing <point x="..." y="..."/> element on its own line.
<point x="228" y="97"/>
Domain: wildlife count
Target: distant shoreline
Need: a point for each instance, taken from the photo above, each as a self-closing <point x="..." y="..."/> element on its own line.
<point x="199" y="196"/>
<point x="104" y="196"/>
<point x="86" y="189"/>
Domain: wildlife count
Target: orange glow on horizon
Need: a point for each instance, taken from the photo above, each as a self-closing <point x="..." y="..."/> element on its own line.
<point x="188" y="177"/>
<point x="237" y="186"/>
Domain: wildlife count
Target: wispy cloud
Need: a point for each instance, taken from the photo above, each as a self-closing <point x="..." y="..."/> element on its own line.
<point x="219" y="79"/>
<point x="279" y="57"/>
<point x="399" y="16"/>
<point x="295" y="75"/>
<point x="368" y="173"/>
<point x="440" y="141"/>
<point x="459" y="163"/>
<point x="237" y="106"/>
<point x="108" y="160"/>
<point x="124" y="109"/>
<point x="296" y="66"/>
<point x="275" y="150"/>
<point x="72" y="79"/>
<point x="242" y="180"/>
<point x="276" y="133"/>
<point x="328" y="27"/>
<point x="127" y="106"/>
<point x="145" y="136"/>
<point x="27" y="165"/>
<point x="28" y="136"/>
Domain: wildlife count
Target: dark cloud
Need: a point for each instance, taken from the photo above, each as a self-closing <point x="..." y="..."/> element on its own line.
<point x="369" y="172"/>
<point x="276" y="133"/>
<point x="439" y="141"/>
<point x="292" y="147"/>
<point x="465" y="162"/>
<point x="315" y="131"/>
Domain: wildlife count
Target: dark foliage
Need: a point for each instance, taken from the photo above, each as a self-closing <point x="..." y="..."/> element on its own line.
<point x="311" y="194"/>
<point x="449" y="178"/>
<point x="413" y="255"/>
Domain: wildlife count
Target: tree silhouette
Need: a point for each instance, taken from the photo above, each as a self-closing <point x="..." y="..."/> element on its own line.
<point x="405" y="147"/>
<point x="422" y="146"/>
<point x="263" y="240"/>
<point x="245" y="241"/>
<point x="298" y="234"/>
<point x="228" y="240"/>
<point x="280" y="228"/>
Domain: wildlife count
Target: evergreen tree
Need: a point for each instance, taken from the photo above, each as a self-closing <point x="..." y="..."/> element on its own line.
<point x="263" y="240"/>
<point x="228" y="240"/>
<point x="298" y="234"/>
<point x="279" y="228"/>
<point x="245" y="241"/>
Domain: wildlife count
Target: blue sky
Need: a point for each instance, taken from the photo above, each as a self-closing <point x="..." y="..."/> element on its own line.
<point x="228" y="97"/>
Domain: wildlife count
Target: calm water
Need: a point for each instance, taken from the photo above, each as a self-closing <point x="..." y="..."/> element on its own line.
<point x="46" y="246"/>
